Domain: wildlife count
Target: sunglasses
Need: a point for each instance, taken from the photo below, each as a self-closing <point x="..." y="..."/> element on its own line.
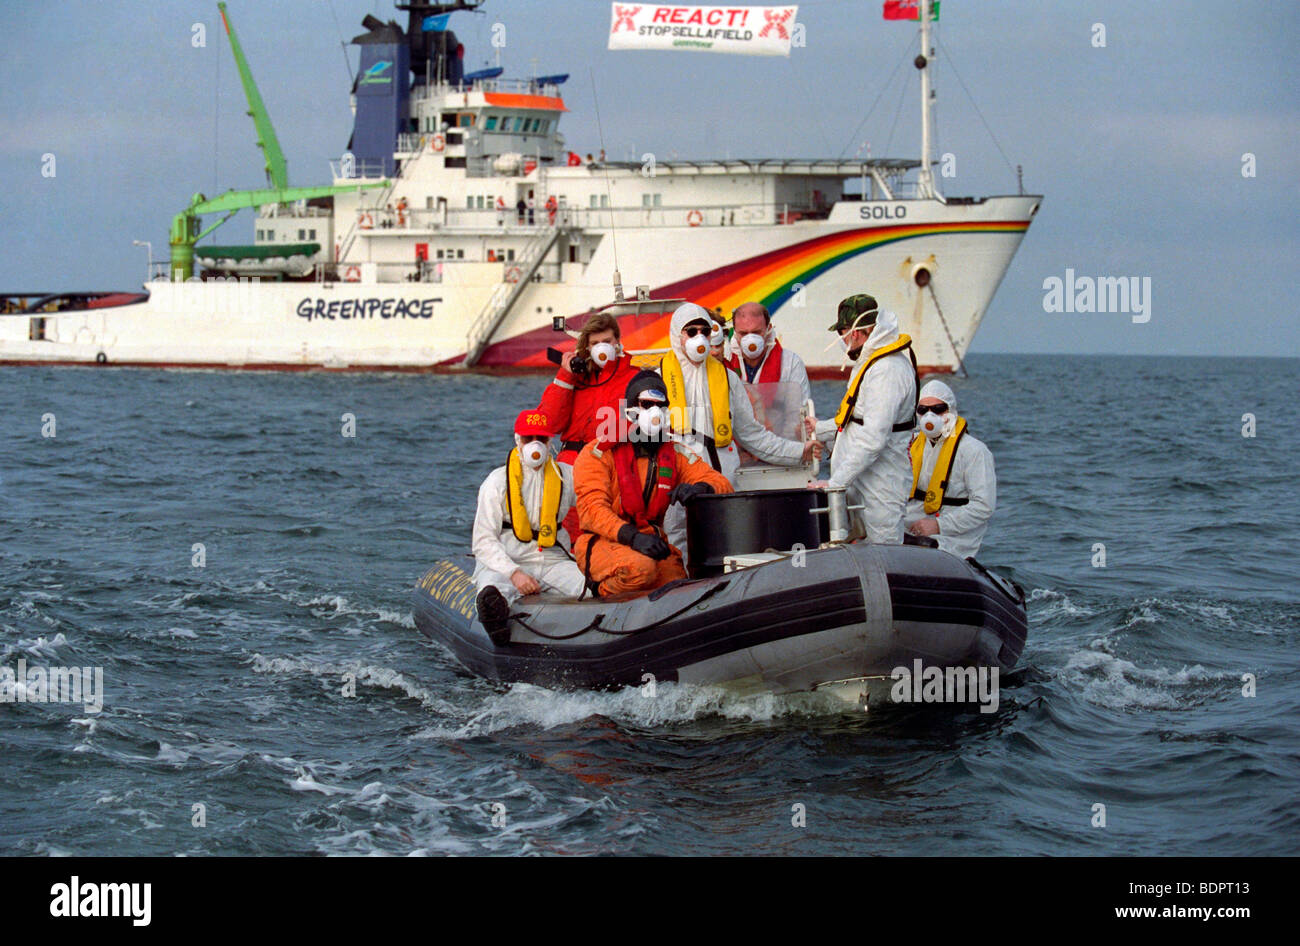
<point x="647" y="404"/>
<point x="923" y="409"/>
<point x="693" y="330"/>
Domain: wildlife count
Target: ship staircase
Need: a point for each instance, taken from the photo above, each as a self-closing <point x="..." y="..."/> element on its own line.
<point x="518" y="274"/>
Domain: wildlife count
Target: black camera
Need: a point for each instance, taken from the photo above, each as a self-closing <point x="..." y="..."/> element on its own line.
<point x="580" y="366"/>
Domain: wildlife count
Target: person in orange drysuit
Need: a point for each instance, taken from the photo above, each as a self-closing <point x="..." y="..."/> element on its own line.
<point x="624" y="484"/>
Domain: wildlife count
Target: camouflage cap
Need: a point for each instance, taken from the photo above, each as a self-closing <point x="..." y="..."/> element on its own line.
<point x="860" y="308"/>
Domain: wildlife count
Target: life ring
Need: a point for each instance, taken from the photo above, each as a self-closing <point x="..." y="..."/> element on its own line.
<point x="694" y="218"/>
<point x="352" y="274"/>
<point x="367" y="222"/>
<point x="101" y="358"/>
<point x="437" y="142"/>
<point x="514" y="274"/>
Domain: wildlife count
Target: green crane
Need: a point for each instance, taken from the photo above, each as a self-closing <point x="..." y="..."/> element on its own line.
<point x="277" y="169"/>
<point x="186" y="226"/>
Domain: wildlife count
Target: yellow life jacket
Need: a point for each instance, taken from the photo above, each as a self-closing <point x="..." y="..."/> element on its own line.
<point x="845" y="413"/>
<point x="552" y="487"/>
<point x="719" y="397"/>
<point x="933" y="495"/>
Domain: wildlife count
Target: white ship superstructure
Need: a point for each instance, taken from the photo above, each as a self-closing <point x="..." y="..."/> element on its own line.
<point x="459" y="224"/>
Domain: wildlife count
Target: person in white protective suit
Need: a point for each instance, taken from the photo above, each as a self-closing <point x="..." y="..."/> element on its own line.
<point x="516" y="539"/>
<point x="954" y="486"/>
<point x="873" y="425"/>
<point x="711" y="412"/>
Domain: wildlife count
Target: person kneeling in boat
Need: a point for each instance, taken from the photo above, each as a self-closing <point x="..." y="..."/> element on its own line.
<point x="516" y="529"/>
<point x="624" y="488"/>
<point x="954" y="486"/>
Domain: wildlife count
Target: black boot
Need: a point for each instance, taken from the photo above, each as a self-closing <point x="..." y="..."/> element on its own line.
<point x="494" y="615"/>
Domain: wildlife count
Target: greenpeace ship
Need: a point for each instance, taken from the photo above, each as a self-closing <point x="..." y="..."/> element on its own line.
<point x="459" y="227"/>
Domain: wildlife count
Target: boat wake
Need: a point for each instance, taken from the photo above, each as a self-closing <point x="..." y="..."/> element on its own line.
<point x="672" y="704"/>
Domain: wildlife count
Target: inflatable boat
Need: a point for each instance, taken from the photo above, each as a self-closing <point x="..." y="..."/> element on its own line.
<point x="823" y="613"/>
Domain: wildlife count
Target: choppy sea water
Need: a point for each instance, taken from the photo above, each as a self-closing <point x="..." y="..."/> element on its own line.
<point x="224" y="684"/>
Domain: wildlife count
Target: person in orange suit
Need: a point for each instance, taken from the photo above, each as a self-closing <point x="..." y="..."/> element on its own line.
<point x="624" y="484"/>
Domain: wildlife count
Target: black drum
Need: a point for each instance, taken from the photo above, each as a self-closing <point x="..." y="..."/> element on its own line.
<point x="739" y="523"/>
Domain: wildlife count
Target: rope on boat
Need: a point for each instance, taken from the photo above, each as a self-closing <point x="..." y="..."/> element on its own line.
<point x="595" y="622"/>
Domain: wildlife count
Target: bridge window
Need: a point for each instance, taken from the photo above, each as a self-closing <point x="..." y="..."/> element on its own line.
<point x="490" y="124"/>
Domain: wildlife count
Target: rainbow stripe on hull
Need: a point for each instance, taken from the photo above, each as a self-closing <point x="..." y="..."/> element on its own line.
<point x="771" y="278"/>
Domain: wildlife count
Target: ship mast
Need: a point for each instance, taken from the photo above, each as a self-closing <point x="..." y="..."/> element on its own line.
<point x="925" y="188"/>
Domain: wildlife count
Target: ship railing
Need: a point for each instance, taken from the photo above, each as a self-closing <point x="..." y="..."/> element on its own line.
<point x="429" y="271"/>
<point x="350" y="169"/>
<point x="292" y="210"/>
<point x="410" y="142"/>
<point x="518" y="86"/>
<point x="423" y="220"/>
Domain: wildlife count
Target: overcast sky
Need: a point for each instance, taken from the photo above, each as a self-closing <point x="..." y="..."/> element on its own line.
<point x="1136" y="146"/>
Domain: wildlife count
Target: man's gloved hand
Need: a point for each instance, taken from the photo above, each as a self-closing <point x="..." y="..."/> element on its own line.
<point x="646" y="543"/>
<point x="651" y="545"/>
<point x="684" y="492"/>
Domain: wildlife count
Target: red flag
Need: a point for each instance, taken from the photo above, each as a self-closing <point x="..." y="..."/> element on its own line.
<point x="908" y="10"/>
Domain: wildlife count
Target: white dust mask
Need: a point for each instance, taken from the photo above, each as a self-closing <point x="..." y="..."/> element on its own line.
<point x="697" y="348"/>
<point x="752" y="345"/>
<point x="602" y="353"/>
<point x="932" y="424"/>
<point x="650" y="421"/>
<point x="533" y="454"/>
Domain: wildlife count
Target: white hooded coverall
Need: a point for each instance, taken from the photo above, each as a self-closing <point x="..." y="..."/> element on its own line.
<point x="745" y="428"/>
<point x="870" y="458"/>
<point x="961" y="528"/>
<point x="498" y="552"/>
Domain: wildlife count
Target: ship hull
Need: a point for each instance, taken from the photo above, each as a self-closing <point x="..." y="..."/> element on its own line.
<point x="799" y="270"/>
